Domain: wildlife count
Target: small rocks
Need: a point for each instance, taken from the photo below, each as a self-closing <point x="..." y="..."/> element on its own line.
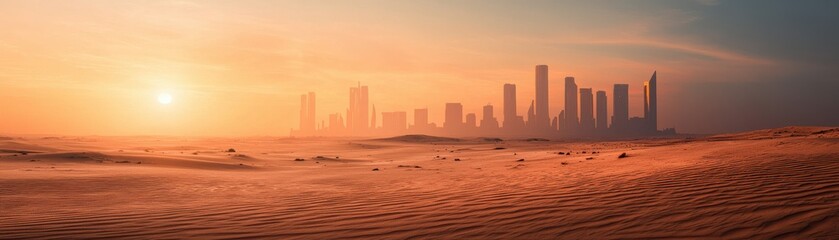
<point x="623" y="155"/>
<point x="520" y="160"/>
<point x="589" y="158"/>
<point x="564" y="163"/>
<point x="299" y="159"/>
<point x="457" y="159"/>
<point x="231" y="150"/>
<point x="376" y="169"/>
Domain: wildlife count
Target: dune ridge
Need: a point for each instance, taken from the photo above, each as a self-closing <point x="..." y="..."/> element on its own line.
<point x="744" y="187"/>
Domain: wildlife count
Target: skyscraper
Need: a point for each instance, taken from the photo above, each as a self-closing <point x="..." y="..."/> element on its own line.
<point x="571" y="119"/>
<point x="312" y="122"/>
<point x="454" y="116"/>
<point x="509" y="104"/>
<point x="393" y="122"/>
<point x="471" y="120"/>
<point x="489" y="122"/>
<point x="542" y="115"/>
<point x="531" y="115"/>
<point x="620" y="117"/>
<point x="651" y="104"/>
<point x="363" y="107"/>
<point x="586" y="111"/>
<point x="357" y="119"/>
<point x="421" y="118"/>
<point x="602" y="112"/>
<point x="373" y="121"/>
<point x="303" y="115"/>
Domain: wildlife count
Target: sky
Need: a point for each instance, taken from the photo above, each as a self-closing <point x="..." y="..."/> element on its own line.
<point x="238" y="68"/>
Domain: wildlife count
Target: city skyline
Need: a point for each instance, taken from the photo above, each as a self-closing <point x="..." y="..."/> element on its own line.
<point x="576" y="120"/>
<point x="238" y="69"/>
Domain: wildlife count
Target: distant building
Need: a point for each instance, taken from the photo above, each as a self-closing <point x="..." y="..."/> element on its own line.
<point x="531" y="116"/>
<point x="489" y="123"/>
<point x="394" y="122"/>
<point x="312" y="122"/>
<point x="542" y="115"/>
<point x="454" y="116"/>
<point x="421" y="118"/>
<point x="571" y="119"/>
<point x="357" y="118"/>
<point x="471" y="120"/>
<point x="512" y="120"/>
<point x="620" y="116"/>
<point x="303" y="115"/>
<point x="336" y="122"/>
<point x="586" y="111"/>
<point x="602" y="112"/>
<point x="651" y="104"/>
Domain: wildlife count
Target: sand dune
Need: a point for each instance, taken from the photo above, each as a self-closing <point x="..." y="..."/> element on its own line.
<point x="774" y="183"/>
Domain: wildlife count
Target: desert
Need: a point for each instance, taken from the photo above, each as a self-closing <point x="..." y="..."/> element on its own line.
<point x="773" y="183"/>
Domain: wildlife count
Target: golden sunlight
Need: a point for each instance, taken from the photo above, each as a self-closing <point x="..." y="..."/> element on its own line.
<point x="164" y="98"/>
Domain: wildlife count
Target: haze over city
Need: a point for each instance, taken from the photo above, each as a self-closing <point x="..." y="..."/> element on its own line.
<point x="237" y="69"/>
<point x="419" y="119"/>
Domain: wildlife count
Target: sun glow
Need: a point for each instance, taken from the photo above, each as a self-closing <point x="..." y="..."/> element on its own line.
<point x="164" y="98"/>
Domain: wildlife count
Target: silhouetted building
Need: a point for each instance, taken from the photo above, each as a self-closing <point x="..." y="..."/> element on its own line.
<point x="489" y="123"/>
<point x="586" y="111"/>
<point x="454" y="116"/>
<point x="471" y="120"/>
<point x="312" y="122"/>
<point x="373" y="121"/>
<point x="357" y="117"/>
<point x="561" y="120"/>
<point x="571" y="119"/>
<point x="651" y="104"/>
<point x="584" y="114"/>
<point x="620" y="116"/>
<point x="336" y="124"/>
<point x="511" y="118"/>
<point x="421" y="118"/>
<point x="602" y="112"/>
<point x="394" y="122"/>
<point x="303" y="115"/>
<point x="542" y="115"/>
<point x="531" y="116"/>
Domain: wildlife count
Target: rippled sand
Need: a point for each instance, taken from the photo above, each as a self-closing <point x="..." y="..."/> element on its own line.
<point x="778" y="183"/>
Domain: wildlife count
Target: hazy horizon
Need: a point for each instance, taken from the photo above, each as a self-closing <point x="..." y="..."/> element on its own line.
<point x="238" y="68"/>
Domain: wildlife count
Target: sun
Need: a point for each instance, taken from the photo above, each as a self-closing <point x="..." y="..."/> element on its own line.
<point x="164" y="98"/>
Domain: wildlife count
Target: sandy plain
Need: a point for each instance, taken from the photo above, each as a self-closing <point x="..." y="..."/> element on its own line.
<point x="773" y="183"/>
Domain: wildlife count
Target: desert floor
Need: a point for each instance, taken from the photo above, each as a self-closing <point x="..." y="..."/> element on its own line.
<point x="777" y="183"/>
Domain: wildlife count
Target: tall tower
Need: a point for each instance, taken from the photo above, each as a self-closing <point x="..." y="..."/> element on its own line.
<point x="421" y="118"/>
<point x="651" y="104"/>
<point x="509" y="104"/>
<point x="586" y="111"/>
<point x="489" y="122"/>
<point x="311" y="112"/>
<point x="602" y="112"/>
<point x="373" y="121"/>
<point x="571" y="119"/>
<point x="363" y="107"/>
<point x="542" y="115"/>
<point x="352" y="114"/>
<point x="358" y="118"/>
<point x="454" y="116"/>
<point x="620" y="117"/>
<point x="303" y="115"/>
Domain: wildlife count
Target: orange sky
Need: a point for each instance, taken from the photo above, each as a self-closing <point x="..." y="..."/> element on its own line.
<point x="238" y="67"/>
